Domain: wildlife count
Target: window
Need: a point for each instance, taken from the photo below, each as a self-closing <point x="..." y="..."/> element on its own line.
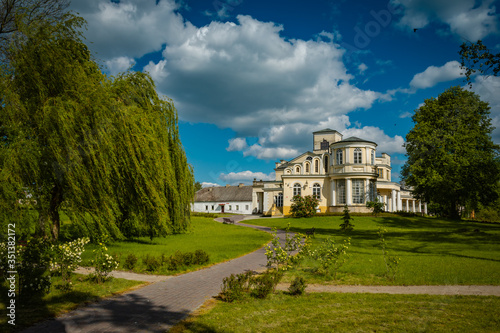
<point x="325" y="162"/>
<point x="206" y="207"/>
<point x="373" y="157"/>
<point x="212" y="207"/>
<point x="279" y="200"/>
<point x="237" y="207"/>
<point x="373" y="190"/>
<point x="307" y="167"/>
<point x="246" y="207"/>
<point x="341" y="192"/>
<point x="358" y="195"/>
<point x="297" y="190"/>
<point x="297" y="170"/>
<point x="358" y="156"/>
<point x="340" y="159"/>
<point x="317" y="191"/>
<point x="380" y="172"/>
<point x="316" y="166"/>
<point x="324" y="145"/>
<point x="229" y="207"/>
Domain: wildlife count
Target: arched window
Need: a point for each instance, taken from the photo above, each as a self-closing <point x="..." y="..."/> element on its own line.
<point x="325" y="163"/>
<point x="297" y="170"/>
<point x="373" y="157"/>
<point x="297" y="189"/>
<point x="316" y="166"/>
<point x="340" y="159"/>
<point x="358" y="157"/>
<point x="307" y="167"/>
<point x="317" y="191"/>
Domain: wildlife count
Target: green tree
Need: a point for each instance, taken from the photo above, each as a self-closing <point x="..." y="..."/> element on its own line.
<point x="303" y="206"/>
<point x="197" y="186"/>
<point x="476" y="57"/>
<point x="377" y="206"/>
<point x="107" y="151"/>
<point x="346" y="217"/>
<point x="452" y="160"/>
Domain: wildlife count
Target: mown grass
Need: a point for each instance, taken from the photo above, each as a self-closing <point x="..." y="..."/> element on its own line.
<point x="431" y="251"/>
<point x="221" y="241"/>
<point x="59" y="301"/>
<point x="324" y="312"/>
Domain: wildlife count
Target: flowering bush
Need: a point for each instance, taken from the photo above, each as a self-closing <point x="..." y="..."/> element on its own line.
<point x="283" y="258"/>
<point x="331" y="256"/>
<point x="103" y="264"/>
<point x="66" y="258"/>
<point x="31" y="262"/>
<point x="304" y="206"/>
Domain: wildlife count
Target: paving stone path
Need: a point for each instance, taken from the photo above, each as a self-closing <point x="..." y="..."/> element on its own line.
<point x="156" y="307"/>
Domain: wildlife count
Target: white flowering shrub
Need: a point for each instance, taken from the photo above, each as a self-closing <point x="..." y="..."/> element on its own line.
<point x="330" y="256"/>
<point x="284" y="258"/>
<point x="103" y="263"/>
<point x="66" y="258"/>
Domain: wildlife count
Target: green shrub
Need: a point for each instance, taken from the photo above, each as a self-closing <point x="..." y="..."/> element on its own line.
<point x="130" y="261"/>
<point x="330" y="256"/>
<point x="346" y="217"/>
<point x="175" y="261"/>
<point x="103" y="264"/>
<point x="201" y="257"/>
<point x="151" y="262"/>
<point x="303" y="206"/>
<point x="265" y="283"/>
<point x="298" y="286"/>
<point x="235" y="287"/>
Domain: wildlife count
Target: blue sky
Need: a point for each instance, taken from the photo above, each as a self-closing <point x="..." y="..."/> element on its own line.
<point x="251" y="79"/>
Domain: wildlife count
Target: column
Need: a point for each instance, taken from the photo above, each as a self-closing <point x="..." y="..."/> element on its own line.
<point x="407" y="206"/>
<point x="419" y="207"/>
<point x="348" y="191"/>
<point x="333" y="189"/>
<point x="413" y="205"/>
<point x="386" y="204"/>
<point x="393" y="201"/>
<point x="425" y="208"/>
<point x="400" y="203"/>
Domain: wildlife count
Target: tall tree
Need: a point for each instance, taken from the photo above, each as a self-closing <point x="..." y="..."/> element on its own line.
<point x="108" y="151"/>
<point x="452" y="159"/>
<point x="476" y="57"/>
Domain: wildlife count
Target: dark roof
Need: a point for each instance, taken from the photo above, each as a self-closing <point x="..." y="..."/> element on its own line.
<point x="354" y="139"/>
<point x="326" y="130"/>
<point x="227" y="193"/>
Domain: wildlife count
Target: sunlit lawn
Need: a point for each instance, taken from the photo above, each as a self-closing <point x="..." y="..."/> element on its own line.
<point x="324" y="312"/>
<point x="431" y="251"/>
<point x="221" y="241"/>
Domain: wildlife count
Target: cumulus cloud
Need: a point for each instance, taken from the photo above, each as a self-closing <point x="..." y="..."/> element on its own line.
<point x="237" y="144"/>
<point x="362" y="68"/>
<point x="470" y="19"/>
<point x="119" y="64"/>
<point x="245" y="177"/>
<point x="207" y="184"/>
<point x="433" y="75"/>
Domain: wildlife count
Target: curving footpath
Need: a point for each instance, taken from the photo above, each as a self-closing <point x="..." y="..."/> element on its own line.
<point x="158" y="306"/>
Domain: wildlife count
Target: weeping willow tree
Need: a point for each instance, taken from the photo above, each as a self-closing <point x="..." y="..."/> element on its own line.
<point x="106" y="151"/>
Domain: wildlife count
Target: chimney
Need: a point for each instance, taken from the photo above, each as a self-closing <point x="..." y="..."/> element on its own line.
<point x="227" y="185"/>
<point x="241" y="185"/>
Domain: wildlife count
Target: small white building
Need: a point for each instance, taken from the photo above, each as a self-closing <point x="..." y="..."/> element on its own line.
<point x="227" y="199"/>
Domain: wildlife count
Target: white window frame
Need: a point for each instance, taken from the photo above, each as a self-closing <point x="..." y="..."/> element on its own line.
<point x="358" y="191"/>
<point x="358" y="156"/>
<point x="317" y="191"/>
<point x="297" y="189"/>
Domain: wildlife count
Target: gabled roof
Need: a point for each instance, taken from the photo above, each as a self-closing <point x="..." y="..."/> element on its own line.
<point x="326" y="130"/>
<point x="291" y="162"/>
<point x="227" y="193"/>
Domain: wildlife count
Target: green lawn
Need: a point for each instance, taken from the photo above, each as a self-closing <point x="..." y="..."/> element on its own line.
<point x="432" y="251"/>
<point x="58" y="301"/>
<point x="221" y="241"/>
<point x="324" y="312"/>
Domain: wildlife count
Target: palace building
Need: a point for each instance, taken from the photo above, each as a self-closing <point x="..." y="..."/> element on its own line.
<point x="338" y="172"/>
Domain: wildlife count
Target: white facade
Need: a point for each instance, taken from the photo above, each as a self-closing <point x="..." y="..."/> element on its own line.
<point x="235" y="207"/>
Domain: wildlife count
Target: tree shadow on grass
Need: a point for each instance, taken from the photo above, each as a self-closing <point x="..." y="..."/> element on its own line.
<point x="130" y="312"/>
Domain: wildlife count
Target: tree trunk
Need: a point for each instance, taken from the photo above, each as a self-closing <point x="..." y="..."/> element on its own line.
<point x="55" y="203"/>
<point x="42" y="218"/>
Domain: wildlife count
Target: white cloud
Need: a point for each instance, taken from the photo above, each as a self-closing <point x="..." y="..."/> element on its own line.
<point x="487" y="87"/>
<point x="237" y="144"/>
<point x="470" y="19"/>
<point x="433" y="75"/>
<point x="157" y="71"/>
<point x="384" y="142"/>
<point x="207" y="184"/>
<point x="119" y="64"/>
<point x="245" y="177"/>
<point x="362" y="68"/>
